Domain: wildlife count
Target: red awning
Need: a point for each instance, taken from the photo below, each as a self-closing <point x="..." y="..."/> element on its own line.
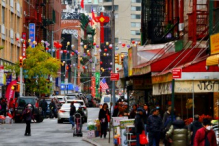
<point x="175" y="59"/>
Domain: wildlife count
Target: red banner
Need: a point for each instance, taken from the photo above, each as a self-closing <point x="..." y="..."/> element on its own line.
<point x="24" y="37"/>
<point x="93" y="91"/>
<point x="10" y="92"/>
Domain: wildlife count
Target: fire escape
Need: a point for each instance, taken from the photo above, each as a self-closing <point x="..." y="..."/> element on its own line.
<point x="198" y="21"/>
<point x="33" y="14"/>
<point x="158" y="23"/>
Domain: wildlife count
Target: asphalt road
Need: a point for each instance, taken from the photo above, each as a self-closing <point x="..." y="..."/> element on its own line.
<point x="44" y="134"/>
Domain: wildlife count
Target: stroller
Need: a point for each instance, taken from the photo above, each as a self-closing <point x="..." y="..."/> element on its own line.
<point x="78" y="125"/>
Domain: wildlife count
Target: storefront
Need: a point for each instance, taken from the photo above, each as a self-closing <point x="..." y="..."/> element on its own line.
<point x="195" y="82"/>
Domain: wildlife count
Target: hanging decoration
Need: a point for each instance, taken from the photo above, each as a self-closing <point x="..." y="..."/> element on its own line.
<point x="128" y="46"/>
<point x="105" y="49"/>
<point x="107" y="54"/>
<point x="117" y="48"/>
<point x="101" y="62"/>
<point x="123" y="45"/>
<point x="65" y="51"/>
<point x="83" y="67"/>
<point x="107" y="43"/>
<point x="72" y="53"/>
<point x="81" y="43"/>
<point x="94" y="44"/>
<point x="133" y="42"/>
<point x="97" y="46"/>
<point x="104" y="54"/>
<point x="100" y="50"/>
<point x="110" y="46"/>
<point x="85" y="46"/>
<point x="117" y="68"/>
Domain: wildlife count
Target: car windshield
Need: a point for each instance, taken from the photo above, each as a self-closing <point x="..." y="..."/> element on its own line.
<point x="77" y="105"/>
<point x="79" y="102"/>
<point x="106" y="99"/>
<point x="71" y="97"/>
<point x="66" y="106"/>
<point x="24" y="101"/>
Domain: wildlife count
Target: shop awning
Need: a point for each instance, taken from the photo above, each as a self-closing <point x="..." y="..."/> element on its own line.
<point x="212" y="60"/>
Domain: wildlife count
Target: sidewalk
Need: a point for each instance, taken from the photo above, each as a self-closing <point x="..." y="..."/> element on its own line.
<point x="97" y="141"/>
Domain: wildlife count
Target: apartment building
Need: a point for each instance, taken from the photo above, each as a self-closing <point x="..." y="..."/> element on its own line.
<point x="10" y="29"/>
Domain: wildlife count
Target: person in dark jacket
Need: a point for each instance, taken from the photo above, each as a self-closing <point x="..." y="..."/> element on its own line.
<point x="205" y="136"/>
<point x="139" y="124"/>
<point x="154" y="127"/>
<point x="4" y="107"/>
<point x="133" y="112"/>
<point x="103" y="113"/>
<point x="178" y="134"/>
<point x="52" y="107"/>
<point x="166" y="114"/>
<point x="27" y="114"/>
<point x="194" y="126"/>
<point x="72" y="112"/>
<point x="43" y="105"/>
<point x="146" y="114"/>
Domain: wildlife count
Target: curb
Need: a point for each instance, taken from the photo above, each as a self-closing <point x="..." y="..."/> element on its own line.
<point x="90" y="141"/>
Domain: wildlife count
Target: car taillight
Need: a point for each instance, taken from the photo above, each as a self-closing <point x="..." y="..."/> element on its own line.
<point x="61" y="111"/>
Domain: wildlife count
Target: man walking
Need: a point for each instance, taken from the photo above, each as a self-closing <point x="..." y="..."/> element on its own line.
<point x="154" y="127"/>
<point x="194" y="126"/>
<point x="72" y="112"/>
<point x="43" y="105"/>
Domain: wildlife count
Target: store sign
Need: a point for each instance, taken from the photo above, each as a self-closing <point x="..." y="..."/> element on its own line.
<point x="130" y="64"/>
<point x="1" y="75"/>
<point x="32" y="29"/>
<point x="140" y="83"/>
<point x="93" y="86"/>
<point x="97" y="79"/>
<point x="24" y="37"/>
<point x="114" y="76"/>
<point x="203" y="86"/>
<point x="214" y="40"/>
<point x="177" y="73"/>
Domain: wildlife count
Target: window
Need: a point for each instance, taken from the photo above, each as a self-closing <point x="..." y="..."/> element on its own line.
<point x="18" y="24"/>
<point x="109" y="8"/>
<point x="18" y="53"/>
<point x="106" y="99"/>
<point x="3" y="15"/>
<point x="135" y="32"/>
<point x="135" y="16"/>
<point x="11" y="57"/>
<point x="116" y="16"/>
<point x="136" y="8"/>
<point x="3" y="50"/>
<point x="116" y="40"/>
<point x="107" y="0"/>
<point x="11" y="21"/>
<point x="136" y="1"/>
<point x="135" y="24"/>
<point x="135" y="39"/>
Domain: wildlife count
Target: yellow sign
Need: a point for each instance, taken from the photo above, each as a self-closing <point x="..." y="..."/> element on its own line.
<point x="214" y="43"/>
<point x="130" y="62"/>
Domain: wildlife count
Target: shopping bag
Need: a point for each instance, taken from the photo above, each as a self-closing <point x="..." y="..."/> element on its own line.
<point x="143" y="138"/>
<point x="108" y="118"/>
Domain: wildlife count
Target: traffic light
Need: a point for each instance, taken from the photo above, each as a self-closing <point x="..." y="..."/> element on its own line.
<point x="121" y="59"/>
<point x="21" y="61"/>
<point x="117" y="58"/>
<point x="67" y="67"/>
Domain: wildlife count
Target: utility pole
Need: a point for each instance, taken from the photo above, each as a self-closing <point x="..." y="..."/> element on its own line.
<point x="113" y="50"/>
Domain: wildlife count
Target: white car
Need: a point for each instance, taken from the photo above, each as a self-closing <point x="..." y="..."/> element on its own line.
<point x="61" y="98"/>
<point x="107" y="99"/>
<point x="64" y="111"/>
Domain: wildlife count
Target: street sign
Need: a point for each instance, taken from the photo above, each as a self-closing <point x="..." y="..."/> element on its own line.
<point x="177" y="73"/>
<point x="114" y="76"/>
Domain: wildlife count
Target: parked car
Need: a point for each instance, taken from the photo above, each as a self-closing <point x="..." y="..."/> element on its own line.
<point x="90" y="100"/>
<point x="107" y="99"/>
<point x="61" y="98"/>
<point x="71" y="96"/>
<point x="64" y="111"/>
<point x="22" y="102"/>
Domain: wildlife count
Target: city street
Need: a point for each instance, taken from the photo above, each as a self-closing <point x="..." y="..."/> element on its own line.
<point x="43" y="134"/>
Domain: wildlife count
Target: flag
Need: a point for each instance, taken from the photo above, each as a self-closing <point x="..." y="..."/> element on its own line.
<point x="93" y="15"/>
<point x="103" y="84"/>
<point x="82" y="4"/>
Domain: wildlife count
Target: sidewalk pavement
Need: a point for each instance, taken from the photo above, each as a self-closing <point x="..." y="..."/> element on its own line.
<point x="97" y="141"/>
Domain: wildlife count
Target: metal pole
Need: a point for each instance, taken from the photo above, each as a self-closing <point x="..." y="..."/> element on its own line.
<point x="172" y="101"/>
<point x="21" y="79"/>
<point x="193" y="100"/>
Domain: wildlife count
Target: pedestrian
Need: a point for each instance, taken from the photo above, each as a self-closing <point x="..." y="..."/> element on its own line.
<point x="205" y="136"/>
<point x="178" y="134"/>
<point x="53" y="109"/>
<point x="154" y="126"/>
<point x="166" y="114"/>
<point x="146" y="114"/>
<point x="194" y="126"/>
<point x="72" y="112"/>
<point x="27" y="115"/>
<point x="103" y="113"/>
<point x="43" y="105"/>
<point x="4" y="107"/>
<point x="133" y="111"/>
<point x="11" y="106"/>
<point x="139" y="124"/>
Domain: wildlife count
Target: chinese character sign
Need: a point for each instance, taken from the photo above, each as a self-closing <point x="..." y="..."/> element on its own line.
<point x="97" y="77"/>
<point x="32" y="33"/>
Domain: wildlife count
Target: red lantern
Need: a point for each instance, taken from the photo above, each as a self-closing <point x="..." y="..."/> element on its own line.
<point x="88" y="54"/>
<point x="101" y="62"/>
<point x="94" y="44"/>
<point x="83" y="67"/>
<point x="72" y="53"/>
<point x="78" y="67"/>
<point x="133" y="42"/>
<point x="123" y="45"/>
<point x="105" y="50"/>
<point x="17" y="39"/>
<point x="65" y="51"/>
<point x="47" y="48"/>
<point x="60" y="45"/>
<point x="117" y="68"/>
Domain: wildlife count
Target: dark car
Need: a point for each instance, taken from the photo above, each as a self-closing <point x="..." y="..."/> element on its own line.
<point x="22" y="102"/>
<point x="90" y="100"/>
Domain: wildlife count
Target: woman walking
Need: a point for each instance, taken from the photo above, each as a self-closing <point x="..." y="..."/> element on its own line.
<point x="103" y="117"/>
<point x="27" y="114"/>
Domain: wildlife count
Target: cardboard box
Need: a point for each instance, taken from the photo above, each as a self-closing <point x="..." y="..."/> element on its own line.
<point x="91" y="134"/>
